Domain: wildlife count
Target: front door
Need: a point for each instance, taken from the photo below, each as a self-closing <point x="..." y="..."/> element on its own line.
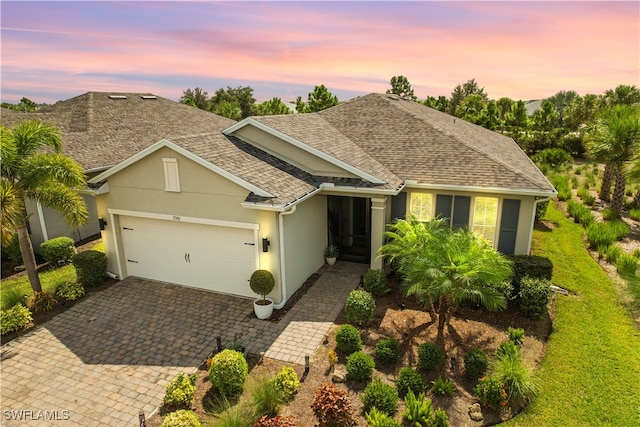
<point x="349" y="220"/>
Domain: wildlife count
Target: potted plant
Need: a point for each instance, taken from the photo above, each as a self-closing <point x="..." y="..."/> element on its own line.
<point x="331" y="253"/>
<point x="262" y="283"/>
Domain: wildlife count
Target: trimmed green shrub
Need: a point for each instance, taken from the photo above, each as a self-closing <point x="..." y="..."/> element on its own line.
<point x="360" y="366"/>
<point x="443" y="386"/>
<point x="359" y="307"/>
<point x="430" y="356"/>
<point x="41" y="302"/>
<point x="262" y="282"/>
<point x="181" y="391"/>
<point x="541" y="210"/>
<point x="516" y="335"/>
<point x="476" y="362"/>
<point x="14" y="319"/>
<point x="409" y="379"/>
<point x="91" y="268"/>
<point x="529" y="266"/>
<point x="534" y="296"/>
<point x="332" y="407"/>
<point x="70" y="290"/>
<point x="348" y="339"/>
<point x="181" y="418"/>
<point x="627" y="265"/>
<point x="266" y="397"/>
<point x="58" y="250"/>
<point x="277" y="421"/>
<point x="387" y="351"/>
<point x="418" y="410"/>
<point x="228" y="372"/>
<point x="286" y="380"/>
<point x="491" y="392"/>
<point x="381" y="396"/>
<point x="375" y="282"/>
<point x="377" y="418"/>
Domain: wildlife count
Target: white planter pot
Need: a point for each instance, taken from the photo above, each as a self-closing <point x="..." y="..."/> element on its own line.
<point x="331" y="261"/>
<point x="263" y="311"/>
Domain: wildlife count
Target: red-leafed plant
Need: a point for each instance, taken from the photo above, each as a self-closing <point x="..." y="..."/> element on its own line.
<point x="332" y="407"/>
<point x="276" y="421"/>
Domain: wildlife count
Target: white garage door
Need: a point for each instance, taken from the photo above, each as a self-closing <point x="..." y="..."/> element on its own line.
<point x="202" y="256"/>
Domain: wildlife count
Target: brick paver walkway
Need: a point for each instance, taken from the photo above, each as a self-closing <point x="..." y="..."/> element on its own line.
<point x="110" y="356"/>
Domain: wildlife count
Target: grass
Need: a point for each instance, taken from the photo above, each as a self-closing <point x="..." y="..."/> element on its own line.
<point x="50" y="281"/>
<point x="590" y="372"/>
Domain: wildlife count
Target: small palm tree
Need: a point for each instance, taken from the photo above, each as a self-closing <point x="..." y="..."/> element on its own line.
<point x="444" y="267"/>
<point x="29" y="171"/>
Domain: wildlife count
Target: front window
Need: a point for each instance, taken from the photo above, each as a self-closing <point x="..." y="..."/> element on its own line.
<point x="421" y="206"/>
<point x="485" y="217"/>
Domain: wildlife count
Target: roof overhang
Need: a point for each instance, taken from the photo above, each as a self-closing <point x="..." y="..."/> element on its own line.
<point x="186" y="153"/>
<point x="478" y="189"/>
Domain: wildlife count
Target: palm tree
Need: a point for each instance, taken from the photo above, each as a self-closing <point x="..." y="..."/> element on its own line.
<point x="614" y="140"/>
<point x="444" y="267"/>
<point x="30" y="171"/>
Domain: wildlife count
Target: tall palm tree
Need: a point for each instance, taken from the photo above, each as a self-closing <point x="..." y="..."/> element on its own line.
<point x="31" y="171"/>
<point x="615" y="139"/>
<point x="444" y="267"/>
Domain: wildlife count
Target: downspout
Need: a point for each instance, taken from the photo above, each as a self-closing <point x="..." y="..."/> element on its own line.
<point x="533" y="219"/>
<point x="43" y="225"/>
<point x="283" y="280"/>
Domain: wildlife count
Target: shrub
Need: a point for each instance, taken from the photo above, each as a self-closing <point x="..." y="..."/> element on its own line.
<point x="575" y="182"/>
<point x="610" y="214"/>
<point x="475" y="363"/>
<point x="348" y="339"/>
<point x="228" y="372"/>
<point x="627" y="265"/>
<point x="534" y="296"/>
<point x="418" y="410"/>
<point x="70" y="290"/>
<point x="11" y="297"/>
<point x="507" y="348"/>
<point x="58" y="250"/>
<point x="286" y="380"/>
<point x="181" y="391"/>
<point x="553" y="157"/>
<point x="387" y="351"/>
<point x="332" y="407"/>
<point x="266" y="397"/>
<point x="375" y="282"/>
<point x="430" y="356"/>
<point x="360" y="366"/>
<point x="601" y="235"/>
<point x="516" y="335"/>
<point x="332" y="357"/>
<point x="561" y="183"/>
<point x="442" y="386"/>
<point x="262" y="282"/>
<point x="181" y="418"/>
<point x="612" y="253"/>
<point x="440" y="418"/>
<point x="580" y="213"/>
<point x="586" y="196"/>
<point x="381" y="396"/>
<point x="359" y="307"/>
<point x="529" y="266"/>
<point x="377" y="418"/>
<point x="490" y="391"/>
<point x="634" y="214"/>
<point x="517" y="379"/>
<point x="541" y="209"/>
<point x="41" y="302"/>
<point x="14" y="319"/>
<point x="12" y="250"/>
<point x="91" y="267"/>
<point x="276" y="421"/>
<point x="409" y="380"/>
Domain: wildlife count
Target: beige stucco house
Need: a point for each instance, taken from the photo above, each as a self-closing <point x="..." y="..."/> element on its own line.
<point x="207" y="206"/>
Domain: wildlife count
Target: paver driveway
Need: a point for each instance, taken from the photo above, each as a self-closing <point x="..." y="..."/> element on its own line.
<point x="110" y="356"/>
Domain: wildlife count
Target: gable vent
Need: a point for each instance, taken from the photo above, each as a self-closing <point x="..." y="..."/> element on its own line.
<point x="118" y="96"/>
<point x="149" y="97"/>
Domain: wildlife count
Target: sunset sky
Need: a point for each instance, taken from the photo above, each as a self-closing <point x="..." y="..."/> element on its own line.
<point x="56" y="50"/>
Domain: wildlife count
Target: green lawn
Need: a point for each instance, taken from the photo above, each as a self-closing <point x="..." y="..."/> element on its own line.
<point x="50" y="280"/>
<point x="590" y="375"/>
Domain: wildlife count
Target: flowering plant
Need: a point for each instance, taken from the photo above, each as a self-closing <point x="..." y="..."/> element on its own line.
<point x="491" y="392"/>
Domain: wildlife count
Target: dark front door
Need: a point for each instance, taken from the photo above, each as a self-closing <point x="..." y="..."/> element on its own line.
<point x="349" y="220"/>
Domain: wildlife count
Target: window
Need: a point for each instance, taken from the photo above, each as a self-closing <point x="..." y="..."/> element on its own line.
<point x="421" y="206"/>
<point x="485" y="217"/>
<point x="171" y="177"/>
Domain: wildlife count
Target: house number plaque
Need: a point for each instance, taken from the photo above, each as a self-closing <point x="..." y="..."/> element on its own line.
<point x="177" y="218"/>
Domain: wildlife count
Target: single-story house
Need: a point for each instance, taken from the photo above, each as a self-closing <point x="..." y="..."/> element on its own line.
<point x="100" y="130"/>
<point x="207" y="208"/>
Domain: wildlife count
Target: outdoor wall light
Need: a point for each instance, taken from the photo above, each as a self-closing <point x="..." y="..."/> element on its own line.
<point x="103" y="223"/>
<point x="265" y="244"/>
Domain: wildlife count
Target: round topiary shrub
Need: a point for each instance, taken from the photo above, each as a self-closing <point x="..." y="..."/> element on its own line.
<point x="262" y="282"/>
<point x="360" y="366"/>
<point x="359" y="307"/>
<point x="534" y="296"/>
<point x="181" y="391"/>
<point x="14" y="318"/>
<point x="332" y="407"/>
<point x="430" y="356"/>
<point x="287" y="382"/>
<point x="91" y="267"/>
<point x="475" y="363"/>
<point x="228" y="372"/>
<point x="381" y="396"/>
<point x="348" y="339"/>
<point x="375" y="282"/>
<point x="181" y="418"/>
<point x="387" y="351"/>
<point x="58" y="250"/>
<point x="409" y="379"/>
<point x="70" y="290"/>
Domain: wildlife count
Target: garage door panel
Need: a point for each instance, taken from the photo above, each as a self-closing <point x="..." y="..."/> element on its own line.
<point x="210" y="257"/>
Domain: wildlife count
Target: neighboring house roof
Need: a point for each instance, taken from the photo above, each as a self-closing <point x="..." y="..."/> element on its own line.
<point x="101" y="129"/>
<point x="533" y="106"/>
